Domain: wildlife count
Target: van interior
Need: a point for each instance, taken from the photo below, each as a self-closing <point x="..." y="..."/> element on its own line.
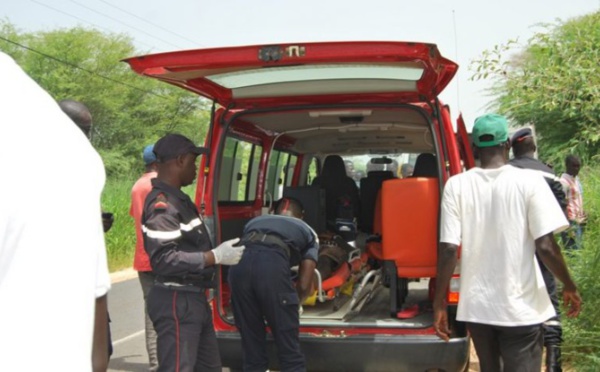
<point x="390" y="153"/>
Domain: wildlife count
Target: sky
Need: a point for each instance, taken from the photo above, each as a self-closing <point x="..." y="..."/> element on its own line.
<point x="462" y="29"/>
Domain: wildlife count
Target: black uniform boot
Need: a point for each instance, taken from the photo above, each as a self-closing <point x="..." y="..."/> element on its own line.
<point x="553" y="360"/>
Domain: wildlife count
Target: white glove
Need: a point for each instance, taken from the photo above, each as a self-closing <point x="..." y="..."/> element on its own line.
<point x="227" y="254"/>
<point x="300" y="310"/>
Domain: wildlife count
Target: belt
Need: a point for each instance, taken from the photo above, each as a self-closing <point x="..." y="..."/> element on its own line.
<point x="270" y="239"/>
<point x="199" y="281"/>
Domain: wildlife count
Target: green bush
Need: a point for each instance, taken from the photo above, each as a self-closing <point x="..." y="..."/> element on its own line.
<point x="581" y="346"/>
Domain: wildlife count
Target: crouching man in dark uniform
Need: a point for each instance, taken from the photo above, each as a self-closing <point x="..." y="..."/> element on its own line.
<point x="180" y="253"/>
<point x="262" y="288"/>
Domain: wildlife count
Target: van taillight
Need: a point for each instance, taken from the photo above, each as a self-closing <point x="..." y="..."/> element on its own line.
<point x="453" y="290"/>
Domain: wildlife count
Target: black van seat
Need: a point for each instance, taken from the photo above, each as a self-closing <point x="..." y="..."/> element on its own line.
<point x="313" y="201"/>
<point x="342" y="200"/>
<point x="425" y="166"/>
<point x="369" y="187"/>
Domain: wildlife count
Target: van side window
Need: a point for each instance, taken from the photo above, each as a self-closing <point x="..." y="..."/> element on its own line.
<point x="289" y="176"/>
<point x="239" y="171"/>
<point x="313" y="171"/>
<point x="280" y="173"/>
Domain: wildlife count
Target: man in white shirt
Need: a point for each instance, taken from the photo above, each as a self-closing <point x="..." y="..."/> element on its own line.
<point x="501" y="215"/>
<point x="53" y="272"/>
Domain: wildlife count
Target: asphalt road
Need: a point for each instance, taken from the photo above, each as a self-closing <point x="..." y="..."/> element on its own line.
<point x="126" y="308"/>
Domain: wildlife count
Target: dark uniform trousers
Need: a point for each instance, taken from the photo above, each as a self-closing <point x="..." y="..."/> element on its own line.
<point x="552" y="327"/>
<point x="262" y="289"/>
<point x="183" y="322"/>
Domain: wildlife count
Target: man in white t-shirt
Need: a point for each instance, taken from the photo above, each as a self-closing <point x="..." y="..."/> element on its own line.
<point x="501" y="215"/>
<point x="53" y="272"/>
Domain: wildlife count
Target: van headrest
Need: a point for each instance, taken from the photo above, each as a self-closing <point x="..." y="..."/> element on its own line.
<point x="425" y="166"/>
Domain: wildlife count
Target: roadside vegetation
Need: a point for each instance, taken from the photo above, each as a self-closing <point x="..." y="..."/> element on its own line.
<point x="128" y="111"/>
<point x="552" y="82"/>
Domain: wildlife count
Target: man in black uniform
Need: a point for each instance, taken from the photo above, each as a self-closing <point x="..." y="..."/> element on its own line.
<point x="262" y="288"/>
<point x="179" y="248"/>
<point x="523" y="146"/>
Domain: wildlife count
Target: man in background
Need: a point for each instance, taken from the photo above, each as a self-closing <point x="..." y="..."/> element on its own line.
<point x="51" y="239"/>
<point x="501" y="216"/>
<point x="141" y="262"/>
<point x="524" y="148"/>
<point x="406" y="170"/>
<point x="575" y="214"/>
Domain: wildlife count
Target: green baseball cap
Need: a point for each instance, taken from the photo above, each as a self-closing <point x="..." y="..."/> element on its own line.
<point x="490" y="130"/>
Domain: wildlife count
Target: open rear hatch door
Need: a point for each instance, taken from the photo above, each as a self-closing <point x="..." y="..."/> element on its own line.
<point x="288" y="74"/>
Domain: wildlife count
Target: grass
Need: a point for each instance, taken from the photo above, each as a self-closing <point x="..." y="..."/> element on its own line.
<point x="581" y="346"/>
<point x="120" y="239"/>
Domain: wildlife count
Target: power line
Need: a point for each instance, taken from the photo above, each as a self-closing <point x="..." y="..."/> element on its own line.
<point x="83" y="20"/>
<point x="81" y="68"/>
<point x="125" y="24"/>
<point x="151" y="23"/>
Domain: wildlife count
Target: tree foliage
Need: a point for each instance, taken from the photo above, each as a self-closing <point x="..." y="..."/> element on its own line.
<point x="553" y="83"/>
<point x="128" y="111"/>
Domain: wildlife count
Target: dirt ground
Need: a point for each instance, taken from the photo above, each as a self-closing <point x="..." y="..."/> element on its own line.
<point x="474" y="363"/>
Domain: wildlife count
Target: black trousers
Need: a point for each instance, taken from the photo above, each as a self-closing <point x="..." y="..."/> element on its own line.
<point x="262" y="290"/>
<point x="552" y="327"/>
<point x="186" y="340"/>
<point x="508" y="349"/>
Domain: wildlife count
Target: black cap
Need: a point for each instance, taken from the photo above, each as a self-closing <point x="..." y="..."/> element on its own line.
<point x="173" y="145"/>
<point x="520" y="135"/>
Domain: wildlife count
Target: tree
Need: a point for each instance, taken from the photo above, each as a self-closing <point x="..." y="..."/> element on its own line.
<point x="552" y="83"/>
<point x="129" y="111"/>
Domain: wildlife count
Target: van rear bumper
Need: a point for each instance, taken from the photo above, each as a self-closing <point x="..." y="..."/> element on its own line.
<point x="363" y="353"/>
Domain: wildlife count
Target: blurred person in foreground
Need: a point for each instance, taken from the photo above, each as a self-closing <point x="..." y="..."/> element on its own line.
<point x="501" y="216"/>
<point x="141" y="261"/>
<point x="58" y="233"/>
<point x="82" y="117"/>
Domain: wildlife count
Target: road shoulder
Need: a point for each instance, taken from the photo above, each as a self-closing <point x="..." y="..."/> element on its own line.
<point x="122" y="275"/>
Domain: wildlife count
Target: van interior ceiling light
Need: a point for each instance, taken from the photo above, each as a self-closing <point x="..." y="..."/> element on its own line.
<point x="340" y="113"/>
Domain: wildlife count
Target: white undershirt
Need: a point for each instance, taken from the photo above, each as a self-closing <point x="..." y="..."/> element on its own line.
<point x="52" y="253"/>
<point x="497" y="214"/>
